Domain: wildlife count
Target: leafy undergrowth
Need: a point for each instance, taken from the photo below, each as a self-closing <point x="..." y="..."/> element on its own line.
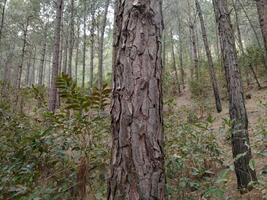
<point x="191" y="124"/>
<point x="55" y="156"/>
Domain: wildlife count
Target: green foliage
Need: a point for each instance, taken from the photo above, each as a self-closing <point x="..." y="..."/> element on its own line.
<point x="76" y="100"/>
<point x="253" y="55"/>
<point x="39" y="95"/>
<point x="41" y="156"/>
<point x="192" y="155"/>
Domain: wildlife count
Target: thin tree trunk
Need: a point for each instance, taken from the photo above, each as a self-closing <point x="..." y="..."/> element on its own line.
<point x="92" y="49"/>
<point x="177" y="83"/>
<point x="6" y="77"/>
<point x="27" y="78"/>
<point x="77" y="52"/>
<point x="84" y="44"/>
<point x="137" y="165"/>
<point x="53" y="91"/>
<point x="181" y="50"/>
<point x="66" y="47"/>
<point x="253" y="28"/>
<point x="49" y="70"/>
<point x="71" y="40"/>
<point x="20" y="67"/>
<point x="2" y="20"/>
<point x="101" y="45"/>
<point x="241" y="46"/>
<point x="33" y="67"/>
<point x="262" y="12"/>
<point x="193" y="41"/>
<point x="61" y="48"/>
<point x="210" y="60"/>
<point x="41" y="68"/>
<point x="238" y="115"/>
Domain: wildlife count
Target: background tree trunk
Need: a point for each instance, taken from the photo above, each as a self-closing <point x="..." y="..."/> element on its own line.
<point x="84" y="43"/>
<point x="66" y="48"/>
<point x="176" y="81"/>
<point x="193" y="41"/>
<point x="77" y="52"/>
<point x="33" y="66"/>
<point x="137" y="165"/>
<point x="181" y="50"/>
<point x="71" y="41"/>
<point x="41" y="69"/>
<point x="237" y="109"/>
<point x="212" y="73"/>
<point x="262" y="11"/>
<point x="241" y="46"/>
<point x="2" y="20"/>
<point x="53" y="91"/>
<point x="92" y="50"/>
<point x="101" y="45"/>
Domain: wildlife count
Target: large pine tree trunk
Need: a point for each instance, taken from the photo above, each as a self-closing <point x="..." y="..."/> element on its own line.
<point x="53" y="90"/>
<point x="238" y="115"/>
<point x="137" y="165"/>
<point x="210" y="60"/>
<point x="262" y="11"/>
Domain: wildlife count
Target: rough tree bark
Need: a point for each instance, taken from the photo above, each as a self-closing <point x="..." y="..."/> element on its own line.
<point x="210" y="60"/>
<point x="101" y="45"/>
<point x="238" y="115"/>
<point x="137" y="165"/>
<point x="53" y="90"/>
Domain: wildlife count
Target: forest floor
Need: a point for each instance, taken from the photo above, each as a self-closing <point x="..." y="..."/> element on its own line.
<point x="255" y="114"/>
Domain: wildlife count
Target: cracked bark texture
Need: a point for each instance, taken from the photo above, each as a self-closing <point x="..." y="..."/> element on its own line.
<point x="237" y="109"/>
<point x="137" y="164"/>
